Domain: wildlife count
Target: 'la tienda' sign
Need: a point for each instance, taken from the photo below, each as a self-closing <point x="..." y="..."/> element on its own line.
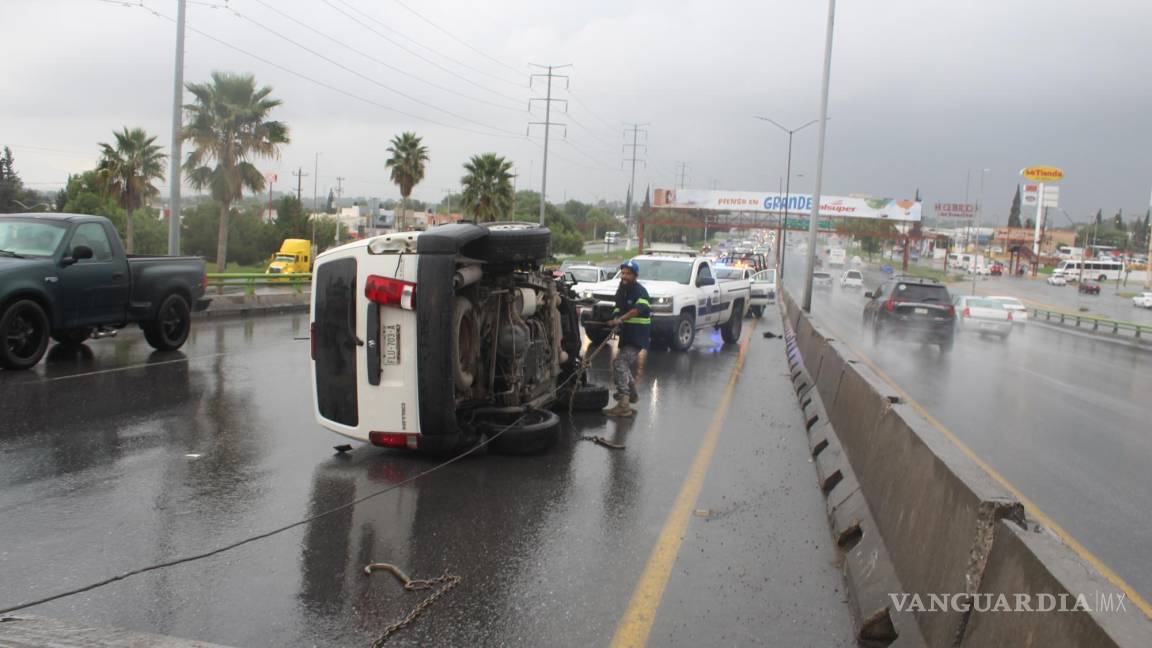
<point x="1042" y="173"/>
<point x="750" y="201"/>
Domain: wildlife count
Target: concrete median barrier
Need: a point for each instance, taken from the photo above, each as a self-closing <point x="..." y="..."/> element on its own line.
<point x="898" y="486"/>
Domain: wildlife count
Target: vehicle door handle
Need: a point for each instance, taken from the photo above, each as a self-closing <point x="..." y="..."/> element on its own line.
<point x="117" y="275"/>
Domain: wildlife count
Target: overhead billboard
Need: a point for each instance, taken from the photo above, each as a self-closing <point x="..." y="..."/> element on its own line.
<point x="1043" y="173"/>
<point x="751" y="201"/>
<point x="955" y="210"/>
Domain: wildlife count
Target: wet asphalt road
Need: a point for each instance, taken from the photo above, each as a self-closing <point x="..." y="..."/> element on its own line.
<point x="1063" y="416"/>
<point x="113" y="457"/>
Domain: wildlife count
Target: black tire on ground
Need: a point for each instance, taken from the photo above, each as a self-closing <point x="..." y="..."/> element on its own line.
<point x="513" y="243"/>
<point x="756" y="311"/>
<point x="597" y="334"/>
<point x="731" y="330"/>
<point x="169" y="330"/>
<point x="535" y="432"/>
<point x="684" y="334"/>
<point x="24" y="335"/>
<point x="587" y="398"/>
<point x="71" y="336"/>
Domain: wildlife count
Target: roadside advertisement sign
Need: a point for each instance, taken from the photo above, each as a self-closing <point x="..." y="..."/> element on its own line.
<point x="751" y="201"/>
<point x="955" y="210"/>
<point x="1051" y="196"/>
<point x="1029" y="194"/>
<point x="1045" y="174"/>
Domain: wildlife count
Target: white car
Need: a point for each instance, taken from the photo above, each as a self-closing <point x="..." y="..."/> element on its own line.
<point x="1057" y="280"/>
<point x="1014" y="306"/>
<point x="982" y="315"/>
<point x="1143" y="300"/>
<point x="853" y="279"/>
<point x="821" y="281"/>
<point x="586" y="275"/>
<point x="685" y="295"/>
<point x="763" y="291"/>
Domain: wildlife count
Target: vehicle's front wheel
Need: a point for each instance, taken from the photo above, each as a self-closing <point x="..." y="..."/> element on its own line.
<point x="731" y="330"/>
<point x="684" y="334"/>
<point x="24" y="327"/>
<point x="169" y="330"/>
<point x="71" y="336"/>
<point x="528" y="433"/>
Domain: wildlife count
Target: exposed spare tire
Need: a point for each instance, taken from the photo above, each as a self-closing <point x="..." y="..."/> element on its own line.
<point x="512" y="243"/>
<point x="465" y="343"/>
<point x="531" y="432"/>
<point x="587" y="398"/>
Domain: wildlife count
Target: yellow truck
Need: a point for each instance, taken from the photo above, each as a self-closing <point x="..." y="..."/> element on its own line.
<point x="295" y="256"/>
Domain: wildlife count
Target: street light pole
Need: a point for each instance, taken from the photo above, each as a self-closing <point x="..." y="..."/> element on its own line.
<point x="787" y="193"/>
<point x="177" y="135"/>
<point x="811" y="265"/>
<point x="979" y="209"/>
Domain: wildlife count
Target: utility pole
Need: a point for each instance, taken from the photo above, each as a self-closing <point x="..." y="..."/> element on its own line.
<point x="682" y="176"/>
<point x="547" y="123"/>
<point x="636" y="129"/>
<point x="177" y="135"/>
<point x="339" y="195"/>
<point x="812" y="225"/>
<point x="315" y="188"/>
<point x="300" y="175"/>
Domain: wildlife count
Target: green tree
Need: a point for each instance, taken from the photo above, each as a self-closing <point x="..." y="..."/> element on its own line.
<point x="228" y="124"/>
<point x="488" y="193"/>
<point x="12" y="189"/>
<point x="408" y="155"/>
<point x="127" y="171"/>
<point x="1118" y="221"/>
<point x="291" y="219"/>
<point x="1029" y="224"/>
<point x="1014" y="211"/>
<point x="1099" y="217"/>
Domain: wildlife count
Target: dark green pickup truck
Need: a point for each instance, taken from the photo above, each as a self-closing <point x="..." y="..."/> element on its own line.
<point x="66" y="277"/>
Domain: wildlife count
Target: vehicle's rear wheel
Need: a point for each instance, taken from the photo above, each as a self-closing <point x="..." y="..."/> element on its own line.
<point x="1102" y="278"/>
<point x="71" y="336"/>
<point x="169" y="330"/>
<point x="24" y="327"/>
<point x="684" y="333"/>
<point x="513" y="243"/>
<point x="731" y="330"/>
<point x="533" y="431"/>
<point x="465" y="340"/>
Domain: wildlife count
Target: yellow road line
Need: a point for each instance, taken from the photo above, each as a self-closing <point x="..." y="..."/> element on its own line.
<point x="636" y="624"/>
<point x="1030" y="507"/>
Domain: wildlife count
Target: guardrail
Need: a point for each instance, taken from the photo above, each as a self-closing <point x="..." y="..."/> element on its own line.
<point x="1095" y="324"/>
<point x="249" y="281"/>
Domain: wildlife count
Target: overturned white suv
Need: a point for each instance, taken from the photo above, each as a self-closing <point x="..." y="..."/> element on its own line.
<point x="433" y="340"/>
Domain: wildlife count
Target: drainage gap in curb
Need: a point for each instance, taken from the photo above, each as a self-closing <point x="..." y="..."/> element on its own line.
<point x="806" y="403"/>
<point x="812" y="421"/>
<point x="895" y="400"/>
<point x="819" y="447"/>
<point x="801" y="387"/>
<point x="878" y="628"/>
<point x="835" y="478"/>
<point x="850" y="537"/>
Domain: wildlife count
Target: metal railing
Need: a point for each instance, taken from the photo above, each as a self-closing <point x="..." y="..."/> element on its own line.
<point x="1095" y="324"/>
<point x="249" y="281"/>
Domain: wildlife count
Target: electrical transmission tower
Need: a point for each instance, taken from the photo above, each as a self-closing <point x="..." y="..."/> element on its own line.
<point x="547" y="123"/>
<point x="300" y="175"/>
<point x="682" y="176"/>
<point x="636" y="130"/>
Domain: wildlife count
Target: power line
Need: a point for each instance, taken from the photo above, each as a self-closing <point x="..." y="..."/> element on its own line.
<point x="383" y="63"/>
<point x="682" y="176"/>
<point x="417" y="55"/>
<point x="547" y="123"/>
<point x="457" y="38"/>
<point x="324" y="84"/>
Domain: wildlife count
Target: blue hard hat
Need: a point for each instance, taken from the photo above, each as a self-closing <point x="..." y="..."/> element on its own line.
<point x="631" y="265"/>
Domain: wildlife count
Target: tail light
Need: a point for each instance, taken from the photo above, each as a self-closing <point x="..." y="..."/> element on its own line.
<point x="1009" y="316"/>
<point x="967" y="312"/>
<point x="890" y="305"/>
<point x="393" y="440"/>
<point x="951" y="311"/>
<point x="390" y="292"/>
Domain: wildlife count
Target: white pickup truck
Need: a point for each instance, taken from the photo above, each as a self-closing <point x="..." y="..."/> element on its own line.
<point x="685" y="296"/>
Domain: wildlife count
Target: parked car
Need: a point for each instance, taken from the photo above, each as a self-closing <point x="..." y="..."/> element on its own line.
<point x="66" y="277"/>
<point x="1057" y="280"/>
<point x="586" y="275"/>
<point x="821" y="281"/>
<point x="852" y="279"/>
<point x="1089" y="287"/>
<point x="911" y="308"/>
<point x="763" y="291"/>
<point x="982" y="315"/>
<point x="1143" y="300"/>
<point x="433" y="340"/>
<point x="1015" y="308"/>
<point x="996" y="269"/>
<point x="685" y="296"/>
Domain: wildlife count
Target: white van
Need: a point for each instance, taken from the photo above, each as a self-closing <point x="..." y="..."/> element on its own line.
<point x="1096" y="269"/>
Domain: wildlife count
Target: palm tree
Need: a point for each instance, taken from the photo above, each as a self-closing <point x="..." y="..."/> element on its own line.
<point x="127" y="170"/>
<point x="227" y="125"/>
<point x="488" y="191"/>
<point x="407" y="164"/>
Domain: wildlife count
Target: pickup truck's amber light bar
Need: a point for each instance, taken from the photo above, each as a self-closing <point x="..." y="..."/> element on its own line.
<point x="393" y="440"/>
<point x="390" y="292"/>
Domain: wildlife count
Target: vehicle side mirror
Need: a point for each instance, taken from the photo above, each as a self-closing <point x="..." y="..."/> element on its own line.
<point x="79" y="253"/>
<point x="569" y="278"/>
<point x="705" y="281"/>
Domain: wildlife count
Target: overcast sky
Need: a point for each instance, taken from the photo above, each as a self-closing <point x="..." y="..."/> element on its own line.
<point x="922" y="90"/>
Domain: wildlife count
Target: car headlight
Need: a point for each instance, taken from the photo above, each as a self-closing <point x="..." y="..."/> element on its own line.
<point x="587" y="294"/>
<point x="662" y="304"/>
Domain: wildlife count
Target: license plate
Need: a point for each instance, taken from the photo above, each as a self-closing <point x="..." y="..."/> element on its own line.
<point x="920" y="311"/>
<point x="391" y="339"/>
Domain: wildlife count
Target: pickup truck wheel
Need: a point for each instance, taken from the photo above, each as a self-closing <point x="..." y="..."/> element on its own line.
<point x="684" y="333"/>
<point x="731" y="330"/>
<point x="24" y="326"/>
<point x="530" y="433"/>
<point x="466" y="348"/>
<point x="72" y="336"/>
<point x="173" y="322"/>
<point x="514" y="242"/>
